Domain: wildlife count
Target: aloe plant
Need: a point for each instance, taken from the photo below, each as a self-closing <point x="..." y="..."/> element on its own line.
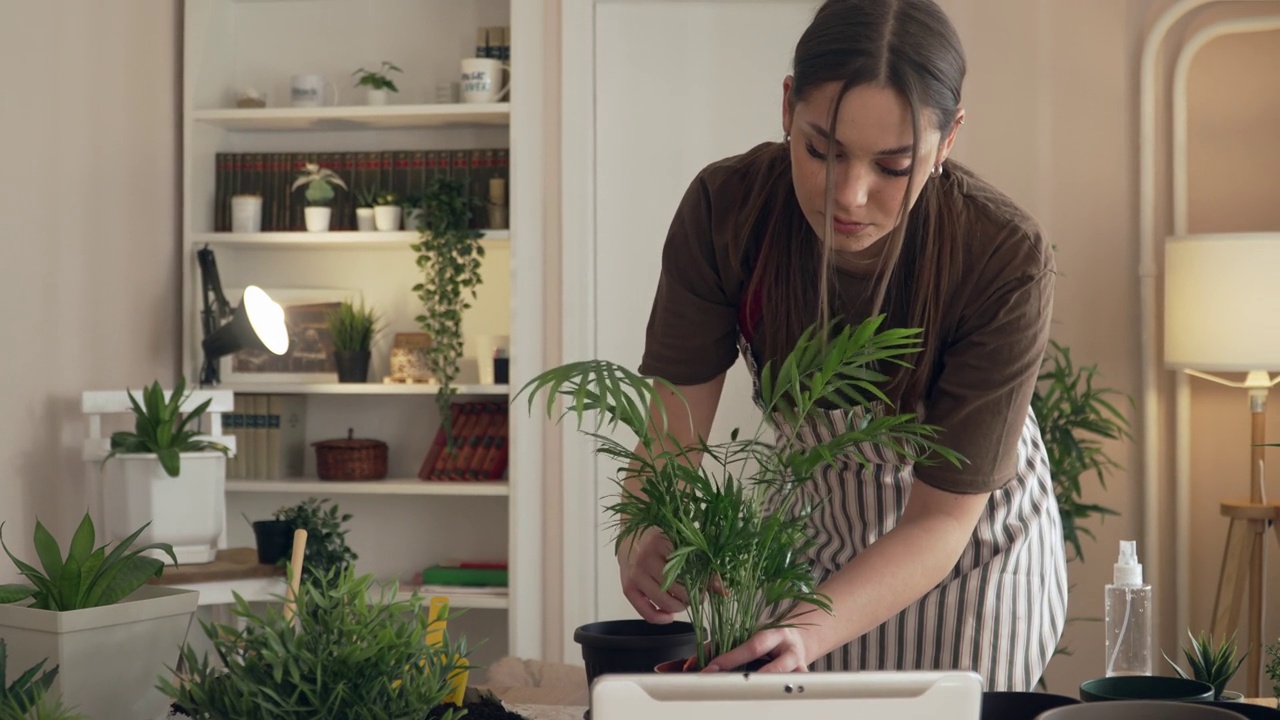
<point x="88" y="576"/>
<point x="161" y="428"/>
<point x="1212" y="664"/>
<point x="734" y="511"/>
<point x="28" y="697"/>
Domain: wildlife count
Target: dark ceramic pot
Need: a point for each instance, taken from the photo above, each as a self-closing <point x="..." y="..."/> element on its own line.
<point x="998" y="705"/>
<point x="274" y="539"/>
<point x="353" y="365"/>
<point x="632" y="646"/>
<point x="1145" y="687"/>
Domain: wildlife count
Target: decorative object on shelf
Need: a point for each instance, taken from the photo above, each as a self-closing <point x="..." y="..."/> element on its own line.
<point x="246" y="213"/>
<point x="171" y="476"/>
<point x="377" y="82"/>
<point x="366" y="198"/>
<point x="1212" y="664"/>
<point x="351" y="458"/>
<point x="482" y="80"/>
<point x="272" y="540"/>
<point x="449" y="253"/>
<point x="410" y="361"/>
<point x="412" y="205"/>
<point x="497" y="205"/>
<point x="387" y="211"/>
<point x="319" y="182"/>
<point x="1273" y="667"/>
<point x="1220" y="303"/>
<point x="309" y="357"/>
<point x="353" y="329"/>
<point x="81" y="609"/>
<point x="309" y="91"/>
<point x="752" y="505"/>
<point x="29" y="696"/>
<point x="446" y="92"/>
<point x="250" y="98"/>
<point x="492" y="352"/>
<point x="257" y="323"/>
<point x="326" y="552"/>
<point x="404" y="665"/>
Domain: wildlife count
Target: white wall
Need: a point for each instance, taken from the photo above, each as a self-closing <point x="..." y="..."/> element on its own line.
<point x="88" y="226"/>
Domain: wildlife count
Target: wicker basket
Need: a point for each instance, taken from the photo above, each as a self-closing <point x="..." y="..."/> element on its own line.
<point x="351" y="459"/>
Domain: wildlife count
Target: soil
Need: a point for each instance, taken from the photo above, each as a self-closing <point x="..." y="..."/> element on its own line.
<point x="480" y="708"/>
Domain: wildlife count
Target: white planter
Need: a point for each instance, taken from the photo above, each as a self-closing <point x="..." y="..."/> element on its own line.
<point x="364" y="219"/>
<point x="1231" y="696"/>
<point x="317" y="217"/>
<point x="412" y="218"/>
<point x="387" y="217"/>
<point x="188" y="511"/>
<point x="109" y="658"/>
<point x="376" y="97"/>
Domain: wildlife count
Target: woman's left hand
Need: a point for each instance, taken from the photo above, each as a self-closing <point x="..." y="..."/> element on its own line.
<point x="783" y="647"/>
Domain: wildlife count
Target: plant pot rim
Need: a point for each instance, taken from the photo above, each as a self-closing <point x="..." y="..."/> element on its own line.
<point x="1146" y="687"/>
<point x="146" y="603"/>
<point x="154" y="457"/>
<point x="643" y="634"/>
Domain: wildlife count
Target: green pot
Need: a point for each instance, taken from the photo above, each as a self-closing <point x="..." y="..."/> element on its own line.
<point x="1145" y="687"/>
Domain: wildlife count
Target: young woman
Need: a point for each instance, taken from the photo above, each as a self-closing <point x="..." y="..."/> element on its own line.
<point x="858" y="211"/>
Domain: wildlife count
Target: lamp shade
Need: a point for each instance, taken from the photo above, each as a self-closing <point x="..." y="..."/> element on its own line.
<point x="1222" y="302"/>
<point x="257" y="324"/>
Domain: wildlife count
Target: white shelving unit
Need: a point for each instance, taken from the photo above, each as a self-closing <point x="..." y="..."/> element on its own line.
<point x="401" y="524"/>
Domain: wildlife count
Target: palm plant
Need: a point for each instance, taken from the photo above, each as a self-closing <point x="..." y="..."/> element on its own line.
<point x="734" y="511"/>
<point x="1210" y="664"/>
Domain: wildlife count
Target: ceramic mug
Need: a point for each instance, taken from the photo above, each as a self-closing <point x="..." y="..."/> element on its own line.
<point x="246" y="213"/>
<point x="482" y="80"/>
<point x="310" y="91"/>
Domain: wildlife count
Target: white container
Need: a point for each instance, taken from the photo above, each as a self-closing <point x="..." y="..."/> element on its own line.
<point x="109" y="658"/>
<point x="387" y="217"/>
<point x="317" y="217"/>
<point x="376" y="96"/>
<point x="188" y="512"/>
<point x="246" y="213"/>
<point x="364" y="219"/>
<point x="1128" y="616"/>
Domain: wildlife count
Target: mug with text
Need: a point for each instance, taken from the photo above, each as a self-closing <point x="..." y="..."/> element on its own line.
<point x="310" y="90"/>
<point x="482" y="80"/>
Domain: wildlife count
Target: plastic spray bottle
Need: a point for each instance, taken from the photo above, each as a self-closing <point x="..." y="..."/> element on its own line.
<point x="1128" y="614"/>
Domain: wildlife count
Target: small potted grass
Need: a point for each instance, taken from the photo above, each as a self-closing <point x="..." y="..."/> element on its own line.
<point x="353" y="329"/>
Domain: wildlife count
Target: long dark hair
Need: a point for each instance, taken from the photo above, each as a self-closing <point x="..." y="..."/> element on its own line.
<point x="911" y="47"/>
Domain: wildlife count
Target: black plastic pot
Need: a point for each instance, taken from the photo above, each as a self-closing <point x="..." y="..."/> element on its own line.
<point x="274" y="539"/>
<point x="353" y="365"/>
<point x="1145" y="687"/>
<point x="632" y="646"/>
<point x="1002" y="705"/>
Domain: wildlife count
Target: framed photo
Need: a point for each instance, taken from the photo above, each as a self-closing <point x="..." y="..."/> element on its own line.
<point x="310" y="354"/>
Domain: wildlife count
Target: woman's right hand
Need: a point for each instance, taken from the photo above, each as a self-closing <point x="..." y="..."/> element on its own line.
<point x="640" y="564"/>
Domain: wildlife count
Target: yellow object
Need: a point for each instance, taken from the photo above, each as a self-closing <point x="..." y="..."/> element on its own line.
<point x="439" y="608"/>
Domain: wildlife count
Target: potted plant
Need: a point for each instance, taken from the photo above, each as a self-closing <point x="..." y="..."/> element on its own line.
<point x="366" y="198"/>
<point x="387" y="211"/>
<point x="353" y="329"/>
<point x="79" y="611"/>
<point x="449" y="253"/>
<point x="327" y="551"/>
<point x="319" y="182"/>
<point x="377" y="82"/>
<point x="170" y="476"/>
<point x="732" y="510"/>
<point x="28" y="696"/>
<point x="413" y="212"/>
<point x="1273" y="667"/>
<point x="1215" y="665"/>
<point x="353" y="649"/>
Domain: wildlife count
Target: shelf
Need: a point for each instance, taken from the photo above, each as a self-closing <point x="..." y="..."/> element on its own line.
<point x="390" y="486"/>
<point x="357" y="117"/>
<point x="477" y="601"/>
<point x="369" y="388"/>
<point x="335" y="240"/>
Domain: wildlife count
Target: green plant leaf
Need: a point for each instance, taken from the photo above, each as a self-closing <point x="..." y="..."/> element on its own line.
<point x="49" y="553"/>
<point x="15" y="593"/>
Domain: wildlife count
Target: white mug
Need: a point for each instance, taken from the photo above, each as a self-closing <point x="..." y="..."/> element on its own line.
<point x="246" y="213"/>
<point x="310" y="90"/>
<point x="482" y="80"/>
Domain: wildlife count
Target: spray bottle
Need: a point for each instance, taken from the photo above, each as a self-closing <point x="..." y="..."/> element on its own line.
<point x="1128" y="611"/>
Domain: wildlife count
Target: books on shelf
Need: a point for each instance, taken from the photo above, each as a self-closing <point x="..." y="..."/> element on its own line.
<point x="405" y="172"/>
<point x="271" y="436"/>
<point x="480" y="450"/>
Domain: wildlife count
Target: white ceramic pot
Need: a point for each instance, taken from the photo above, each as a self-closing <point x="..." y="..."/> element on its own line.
<point x="317" y="217"/>
<point x="412" y="218"/>
<point x="188" y="511"/>
<point x="387" y="217"/>
<point x="376" y="97"/>
<point x="364" y="219"/>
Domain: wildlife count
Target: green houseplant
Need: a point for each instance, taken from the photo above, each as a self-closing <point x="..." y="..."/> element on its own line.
<point x="78" y="610"/>
<point x="327" y="551"/>
<point x="353" y="329"/>
<point x="355" y="650"/>
<point x="449" y="255"/>
<point x="319" y="182"/>
<point x="1273" y="667"/>
<point x="28" y="697"/>
<point x="1213" y="664"/>
<point x="366" y="197"/>
<point x="378" y="82"/>
<point x="732" y="510"/>
<point x="161" y="427"/>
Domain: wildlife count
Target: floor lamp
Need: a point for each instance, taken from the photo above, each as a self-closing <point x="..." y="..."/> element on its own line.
<point x="1222" y="314"/>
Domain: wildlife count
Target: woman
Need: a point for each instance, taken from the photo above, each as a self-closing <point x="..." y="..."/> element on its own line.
<point x="858" y="211"/>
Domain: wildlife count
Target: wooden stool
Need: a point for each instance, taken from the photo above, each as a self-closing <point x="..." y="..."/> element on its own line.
<point x="1243" y="563"/>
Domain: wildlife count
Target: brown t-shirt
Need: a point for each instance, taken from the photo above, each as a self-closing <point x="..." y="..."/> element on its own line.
<point x="996" y="322"/>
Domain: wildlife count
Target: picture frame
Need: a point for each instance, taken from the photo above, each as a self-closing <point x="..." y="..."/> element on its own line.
<point x="309" y="358"/>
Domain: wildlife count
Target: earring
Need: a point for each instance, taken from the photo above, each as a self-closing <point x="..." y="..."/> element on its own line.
<point x="786" y="138"/>
<point x="937" y="171"/>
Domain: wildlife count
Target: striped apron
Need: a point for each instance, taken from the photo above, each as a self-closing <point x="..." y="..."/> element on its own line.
<point x="1001" y="609"/>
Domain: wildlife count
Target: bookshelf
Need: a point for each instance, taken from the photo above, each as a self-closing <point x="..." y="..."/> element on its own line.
<point x="401" y="524"/>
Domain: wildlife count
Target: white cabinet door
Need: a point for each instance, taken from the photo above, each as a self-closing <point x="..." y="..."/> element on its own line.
<point x="677" y="85"/>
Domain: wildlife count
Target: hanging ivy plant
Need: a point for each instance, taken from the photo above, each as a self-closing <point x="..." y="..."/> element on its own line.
<point x="449" y="254"/>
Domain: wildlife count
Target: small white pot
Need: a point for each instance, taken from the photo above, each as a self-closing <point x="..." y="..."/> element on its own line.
<point x="387" y="217"/>
<point x="1231" y="696"/>
<point x="188" y="511"/>
<point x="364" y="219"/>
<point x="318" y="217"/>
<point x="412" y="218"/>
<point x="376" y="97"/>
